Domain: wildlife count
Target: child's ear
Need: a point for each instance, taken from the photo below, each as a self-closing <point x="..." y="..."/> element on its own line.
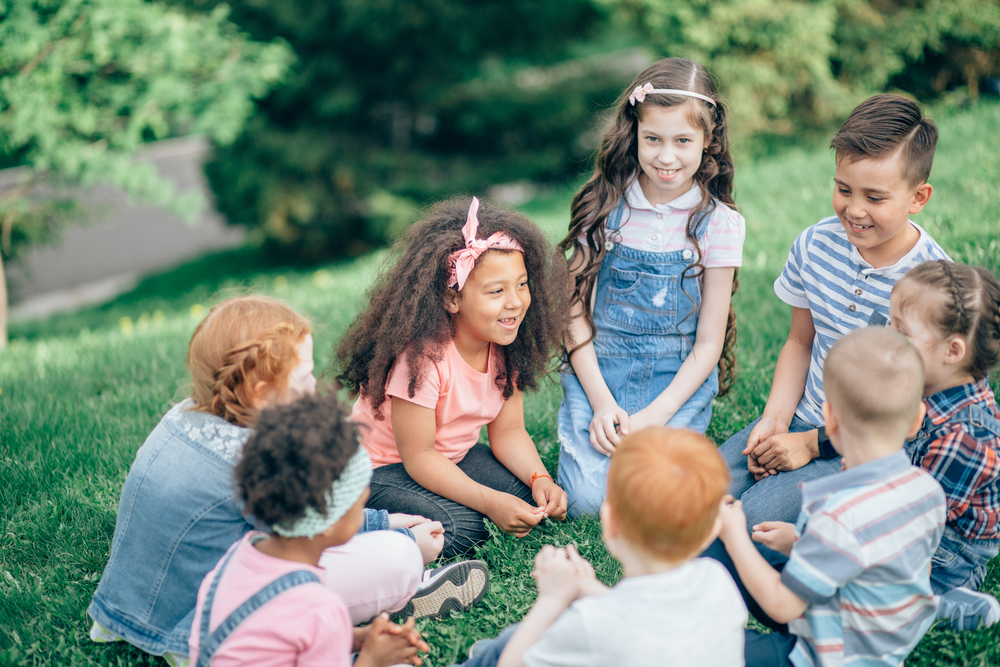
<point x="921" y="413"/>
<point x="832" y="426"/>
<point x="955" y="350"/>
<point x="921" y="196"/>
<point x="261" y="394"/>
<point x="608" y="522"/>
<point x="451" y="301"/>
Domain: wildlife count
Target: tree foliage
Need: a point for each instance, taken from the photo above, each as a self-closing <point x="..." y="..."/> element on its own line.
<point x="399" y="101"/>
<point x="83" y="83"/>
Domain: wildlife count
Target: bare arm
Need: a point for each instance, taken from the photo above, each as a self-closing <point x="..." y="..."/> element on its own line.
<point x="789" y="384"/>
<point x="761" y="580"/>
<point x="513" y="447"/>
<point x="414" y="428"/>
<point x="717" y="289"/>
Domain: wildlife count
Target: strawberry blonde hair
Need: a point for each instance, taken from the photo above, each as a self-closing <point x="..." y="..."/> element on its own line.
<point x="664" y="490"/>
<point x="241" y="342"/>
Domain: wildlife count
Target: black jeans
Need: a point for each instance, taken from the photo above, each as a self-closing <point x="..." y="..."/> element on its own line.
<point x="760" y="649"/>
<point x="393" y="490"/>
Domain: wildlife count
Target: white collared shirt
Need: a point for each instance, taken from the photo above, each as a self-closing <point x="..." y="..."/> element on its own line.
<point x="661" y="227"/>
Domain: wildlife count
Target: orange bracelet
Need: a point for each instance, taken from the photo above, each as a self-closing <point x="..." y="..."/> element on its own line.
<point x="531" y="484"/>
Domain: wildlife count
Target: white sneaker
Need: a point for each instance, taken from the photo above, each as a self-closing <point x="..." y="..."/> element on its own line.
<point x="453" y="587"/>
<point x="102" y="635"/>
<point x="966" y="609"/>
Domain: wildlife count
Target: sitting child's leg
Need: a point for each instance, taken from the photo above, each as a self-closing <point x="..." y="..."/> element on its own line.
<point x="583" y="470"/>
<point x="373" y="572"/>
<point x="957" y="571"/>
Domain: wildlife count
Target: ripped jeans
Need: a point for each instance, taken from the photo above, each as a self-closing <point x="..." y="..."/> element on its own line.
<point x="583" y="471"/>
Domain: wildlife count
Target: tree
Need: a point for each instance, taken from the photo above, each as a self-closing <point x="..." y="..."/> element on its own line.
<point x="83" y="83"/>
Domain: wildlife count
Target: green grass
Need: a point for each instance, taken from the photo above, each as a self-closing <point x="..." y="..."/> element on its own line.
<point x="79" y="393"/>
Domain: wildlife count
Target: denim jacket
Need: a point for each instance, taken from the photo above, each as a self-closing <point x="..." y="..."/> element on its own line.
<point x="177" y="516"/>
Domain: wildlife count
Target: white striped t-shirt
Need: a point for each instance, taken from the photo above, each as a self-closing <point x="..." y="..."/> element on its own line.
<point x="826" y="274"/>
<point x="661" y="227"/>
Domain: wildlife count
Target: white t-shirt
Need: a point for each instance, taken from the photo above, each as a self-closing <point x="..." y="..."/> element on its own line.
<point x="661" y="227"/>
<point x="691" y="616"/>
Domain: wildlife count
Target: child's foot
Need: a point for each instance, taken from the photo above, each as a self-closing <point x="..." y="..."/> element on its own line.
<point x="176" y="659"/>
<point x="453" y="587"/>
<point x="966" y="609"/>
<point x="102" y="635"/>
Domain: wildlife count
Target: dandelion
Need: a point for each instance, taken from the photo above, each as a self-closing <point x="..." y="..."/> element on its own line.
<point x="158" y="317"/>
<point x="143" y="322"/>
<point x="280" y="284"/>
<point x="197" y="311"/>
<point x="321" y="278"/>
<point x="126" y="326"/>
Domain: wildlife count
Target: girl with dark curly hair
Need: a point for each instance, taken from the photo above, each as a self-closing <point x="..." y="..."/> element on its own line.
<point x="464" y="321"/>
<point x="655" y="240"/>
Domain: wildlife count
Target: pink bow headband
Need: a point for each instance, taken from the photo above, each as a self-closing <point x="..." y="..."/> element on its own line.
<point x="640" y="92"/>
<point x="462" y="261"/>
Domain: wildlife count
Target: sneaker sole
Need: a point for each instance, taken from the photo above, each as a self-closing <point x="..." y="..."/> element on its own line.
<point x="459" y="589"/>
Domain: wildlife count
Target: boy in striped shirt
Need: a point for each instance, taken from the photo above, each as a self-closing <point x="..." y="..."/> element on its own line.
<point x="838" y="277"/>
<point x="856" y="587"/>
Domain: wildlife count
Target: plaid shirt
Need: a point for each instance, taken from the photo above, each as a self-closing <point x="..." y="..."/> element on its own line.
<point x="959" y="444"/>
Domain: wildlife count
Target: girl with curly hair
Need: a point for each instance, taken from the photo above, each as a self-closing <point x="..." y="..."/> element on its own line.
<point x="656" y="241"/>
<point x="464" y="321"/>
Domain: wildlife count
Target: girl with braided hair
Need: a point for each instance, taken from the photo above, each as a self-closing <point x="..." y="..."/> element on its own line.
<point x="465" y="319"/>
<point x="656" y="241"/>
<point x="179" y="512"/>
<point x="951" y="314"/>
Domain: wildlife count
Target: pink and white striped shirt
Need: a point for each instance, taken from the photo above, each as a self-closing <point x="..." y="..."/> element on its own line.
<point x="660" y="227"/>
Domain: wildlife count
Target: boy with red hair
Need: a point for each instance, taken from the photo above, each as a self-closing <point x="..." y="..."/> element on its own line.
<point x="664" y="490"/>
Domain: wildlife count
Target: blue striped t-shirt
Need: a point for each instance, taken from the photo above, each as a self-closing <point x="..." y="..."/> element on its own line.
<point x="826" y="274"/>
<point x="862" y="563"/>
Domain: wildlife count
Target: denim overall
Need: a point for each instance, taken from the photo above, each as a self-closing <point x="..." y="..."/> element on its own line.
<point x="645" y="318"/>
<point x="958" y="561"/>
<point x="209" y="642"/>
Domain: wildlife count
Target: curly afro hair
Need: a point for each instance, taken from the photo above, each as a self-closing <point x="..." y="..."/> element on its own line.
<point x="293" y="457"/>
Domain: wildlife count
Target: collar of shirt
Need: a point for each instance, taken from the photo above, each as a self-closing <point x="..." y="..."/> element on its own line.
<point x="636" y="200"/>
<point x="942" y="405"/>
<point x="866" y="473"/>
<point x="868" y="269"/>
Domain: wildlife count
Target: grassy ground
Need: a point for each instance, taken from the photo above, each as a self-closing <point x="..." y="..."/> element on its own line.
<point x="79" y="393"/>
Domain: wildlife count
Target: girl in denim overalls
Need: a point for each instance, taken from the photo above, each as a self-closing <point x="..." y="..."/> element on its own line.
<point x="655" y="243"/>
<point x="951" y="314"/>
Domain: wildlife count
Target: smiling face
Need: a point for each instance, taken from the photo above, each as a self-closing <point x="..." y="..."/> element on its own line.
<point x="670" y="152"/>
<point x="493" y="302"/>
<point x="874" y="200"/>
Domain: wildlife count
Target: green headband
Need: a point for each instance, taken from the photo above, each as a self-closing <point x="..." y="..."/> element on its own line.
<point x="345" y="492"/>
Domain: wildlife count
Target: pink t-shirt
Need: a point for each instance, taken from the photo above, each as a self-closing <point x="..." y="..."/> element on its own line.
<point x="463" y="400"/>
<point x="304" y="625"/>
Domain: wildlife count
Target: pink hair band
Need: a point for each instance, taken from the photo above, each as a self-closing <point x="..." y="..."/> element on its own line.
<point x="640" y="92"/>
<point x="462" y="261"/>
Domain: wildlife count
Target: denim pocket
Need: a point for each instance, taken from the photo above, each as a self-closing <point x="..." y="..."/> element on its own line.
<point x="642" y="302"/>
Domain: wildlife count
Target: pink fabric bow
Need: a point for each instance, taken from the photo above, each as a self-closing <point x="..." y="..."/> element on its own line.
<point x="639" y="94"/>
<point x="463" y="261"/>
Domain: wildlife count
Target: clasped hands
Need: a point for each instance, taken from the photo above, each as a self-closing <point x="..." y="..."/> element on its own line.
<point x="771" y="448"/>
<point x="563" y="575"/>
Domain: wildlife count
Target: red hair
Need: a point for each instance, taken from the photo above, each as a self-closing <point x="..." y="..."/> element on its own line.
<point x="664" y="490"/>
<point x="241" y="342"/>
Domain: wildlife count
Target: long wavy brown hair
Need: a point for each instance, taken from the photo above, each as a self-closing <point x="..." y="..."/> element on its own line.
<point x="617" y="165"/>
<point x="407" y="314"/>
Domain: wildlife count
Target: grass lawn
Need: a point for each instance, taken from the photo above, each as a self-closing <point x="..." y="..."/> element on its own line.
<point x="79" y="393"/>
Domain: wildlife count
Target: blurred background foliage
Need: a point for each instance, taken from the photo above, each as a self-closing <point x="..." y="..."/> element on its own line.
<point x="391" y="103"/>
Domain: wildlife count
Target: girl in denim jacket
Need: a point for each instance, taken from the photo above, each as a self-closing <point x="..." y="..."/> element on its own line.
<point x="951" y="314"/>
<point x="178" y="512"/>
<point x="655" y="241"/>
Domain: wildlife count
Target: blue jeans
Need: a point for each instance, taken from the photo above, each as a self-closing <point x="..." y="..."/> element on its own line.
<point x="488" y="650"/>
<point x="960" y="562"/>
<point x="774" y="498"/>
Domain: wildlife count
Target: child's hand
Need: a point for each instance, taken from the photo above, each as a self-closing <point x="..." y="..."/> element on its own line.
<point x="734" y="521"/>
<point x="390" y="644"/>
<point x="587" y="580"/>
<point x="776" y="535"/>
<point x="556" y="575"/>
<point x="405" y="520"/>
<point x="550" y="498"/>
<point x="430" y="538"/>
<point x="783" y="451"/>
<point x="513" y="515"/>
<point x="604" y="437"/>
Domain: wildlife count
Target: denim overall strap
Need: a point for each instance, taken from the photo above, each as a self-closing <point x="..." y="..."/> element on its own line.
<point x="975" y="415"/>
<point x="208" y="644"/>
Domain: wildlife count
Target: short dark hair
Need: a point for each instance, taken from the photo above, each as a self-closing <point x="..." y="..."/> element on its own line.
<point x="884" y="124"/>
<point x="293" y="457"/>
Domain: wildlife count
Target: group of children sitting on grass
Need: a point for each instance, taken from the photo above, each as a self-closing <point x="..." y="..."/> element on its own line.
<point x="262" y="524"/>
